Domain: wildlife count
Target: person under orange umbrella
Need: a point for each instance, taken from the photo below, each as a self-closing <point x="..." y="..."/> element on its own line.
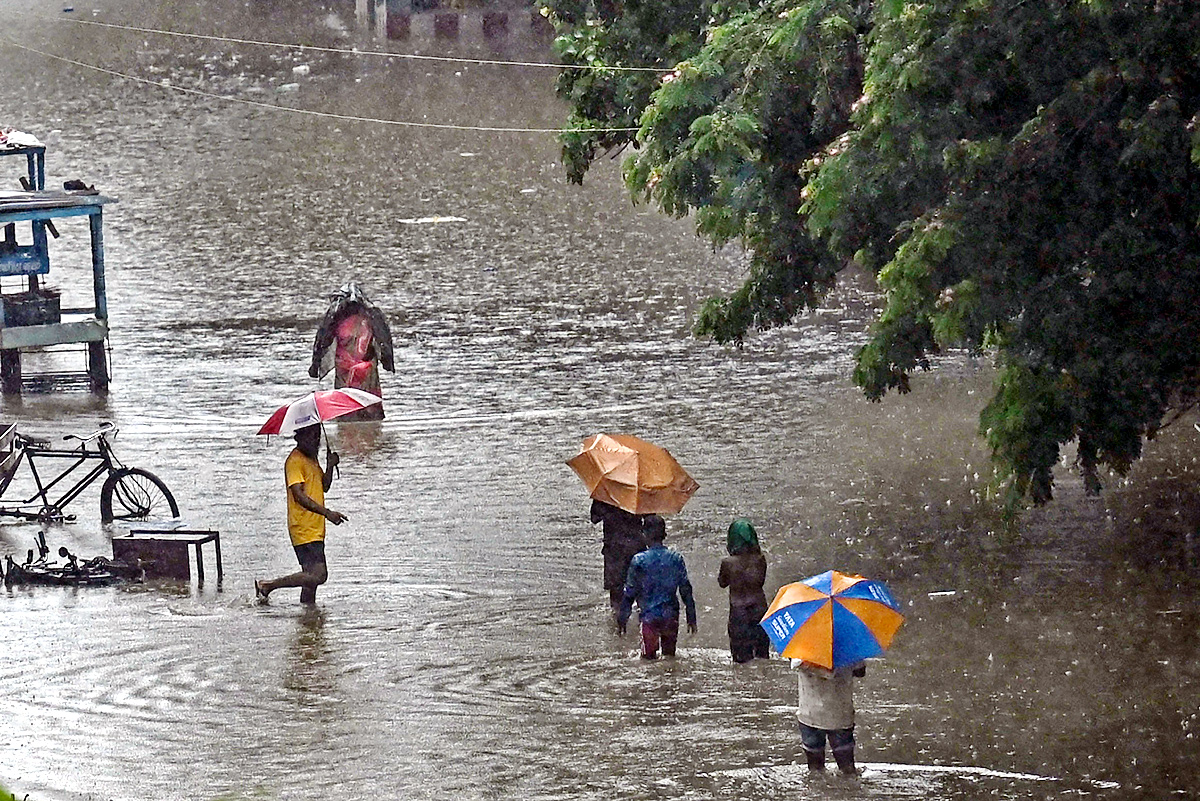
<point x="623" y="540"/>
<point x="629" y="479"/>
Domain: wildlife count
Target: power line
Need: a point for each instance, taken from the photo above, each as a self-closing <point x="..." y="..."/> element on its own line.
<point x="347" y="51"/>
<point x="307" y="112"/>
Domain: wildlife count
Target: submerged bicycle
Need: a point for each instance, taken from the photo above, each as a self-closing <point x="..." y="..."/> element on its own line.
<point x="128" y="493"/>
<point x="99" y="571"/>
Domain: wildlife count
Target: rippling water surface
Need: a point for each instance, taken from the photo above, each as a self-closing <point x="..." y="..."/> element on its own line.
<point x="461" y="646"/>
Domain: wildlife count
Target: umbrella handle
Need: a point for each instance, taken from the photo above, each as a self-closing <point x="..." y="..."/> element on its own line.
<point x="337" y="471"/>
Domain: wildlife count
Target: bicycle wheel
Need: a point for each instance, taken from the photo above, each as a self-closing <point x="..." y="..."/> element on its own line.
<point x="132" y="493"/>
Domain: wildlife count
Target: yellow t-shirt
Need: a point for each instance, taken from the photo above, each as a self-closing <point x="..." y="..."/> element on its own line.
<point x="303" y="525"/>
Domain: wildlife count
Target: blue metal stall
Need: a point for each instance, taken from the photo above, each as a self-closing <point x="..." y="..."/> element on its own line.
<point x="33" y="318"/>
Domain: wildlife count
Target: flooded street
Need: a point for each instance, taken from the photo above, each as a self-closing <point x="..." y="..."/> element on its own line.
<point x="462" y="646"/>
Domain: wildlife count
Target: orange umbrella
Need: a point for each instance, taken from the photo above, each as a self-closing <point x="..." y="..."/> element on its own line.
<point x="632" y="474"/>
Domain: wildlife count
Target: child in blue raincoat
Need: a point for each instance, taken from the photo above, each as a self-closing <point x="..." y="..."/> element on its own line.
<point x="657" y="580"/>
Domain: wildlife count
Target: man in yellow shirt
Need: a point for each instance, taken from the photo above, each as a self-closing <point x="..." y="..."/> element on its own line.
<point x="306" y="516"/>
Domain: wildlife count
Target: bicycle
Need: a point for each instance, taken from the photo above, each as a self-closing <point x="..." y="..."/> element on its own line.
<point x="128" y="493"/>
<point x="98" y="571"/>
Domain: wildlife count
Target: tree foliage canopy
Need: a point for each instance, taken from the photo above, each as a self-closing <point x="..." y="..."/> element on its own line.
<point x="1023" y="177"/>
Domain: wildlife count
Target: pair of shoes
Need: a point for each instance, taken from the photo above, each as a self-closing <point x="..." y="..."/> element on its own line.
<point x="260" y="595"/>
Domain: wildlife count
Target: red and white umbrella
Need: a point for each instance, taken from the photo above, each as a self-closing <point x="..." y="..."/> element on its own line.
<point x="317" y="407"/>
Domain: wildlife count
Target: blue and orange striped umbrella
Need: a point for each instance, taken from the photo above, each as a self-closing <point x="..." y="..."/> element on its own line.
<point x="832" y="620"/>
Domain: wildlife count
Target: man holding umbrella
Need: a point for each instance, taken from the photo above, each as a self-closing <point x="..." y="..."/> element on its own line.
<point x="827" y="625"/>
<point x="306" y="515"/>
<point x="307" y="482"/>
<point x="630" y="481"/>
<point x="623" y="540"/>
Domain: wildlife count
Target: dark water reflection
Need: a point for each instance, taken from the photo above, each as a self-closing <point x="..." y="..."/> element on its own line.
<point x="461" y="646"/>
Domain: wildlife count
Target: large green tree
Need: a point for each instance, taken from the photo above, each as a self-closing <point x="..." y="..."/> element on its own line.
<point x="1021" y="175"/>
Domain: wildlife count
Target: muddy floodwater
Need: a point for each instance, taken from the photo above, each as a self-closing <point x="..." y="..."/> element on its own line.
<point x="462" y="647"/>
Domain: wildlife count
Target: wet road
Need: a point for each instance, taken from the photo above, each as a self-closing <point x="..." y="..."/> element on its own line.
<point x="461" y="646"/>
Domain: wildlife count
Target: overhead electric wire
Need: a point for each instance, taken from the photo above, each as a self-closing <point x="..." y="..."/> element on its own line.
<point x="349" y="51"/>
<point x="307" y="112"/>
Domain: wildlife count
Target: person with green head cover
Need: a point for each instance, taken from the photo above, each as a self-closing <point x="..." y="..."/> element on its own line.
<point x="744" y="571"/>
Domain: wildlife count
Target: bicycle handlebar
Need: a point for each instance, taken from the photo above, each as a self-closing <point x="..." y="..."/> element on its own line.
<point x="105" y="429"/>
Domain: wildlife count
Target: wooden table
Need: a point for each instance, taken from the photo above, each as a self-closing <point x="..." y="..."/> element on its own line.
<point x="166" y="552"/>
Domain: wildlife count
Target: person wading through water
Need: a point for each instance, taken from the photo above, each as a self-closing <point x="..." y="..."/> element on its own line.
<point x="623" y="540"/>
<point x="744" y="571"/>
<point x="657" y="580"/>
<point x="306" y="516"/>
